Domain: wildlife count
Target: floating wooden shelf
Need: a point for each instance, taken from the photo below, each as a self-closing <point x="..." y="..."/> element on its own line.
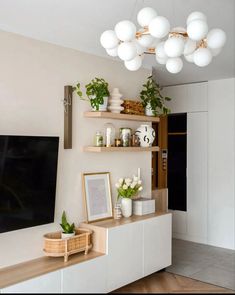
<point x="94" y="149"/>
<point x="109" y="115"/>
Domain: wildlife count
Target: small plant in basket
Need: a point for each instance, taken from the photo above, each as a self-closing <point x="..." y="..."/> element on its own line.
<point x="68" y="229"/>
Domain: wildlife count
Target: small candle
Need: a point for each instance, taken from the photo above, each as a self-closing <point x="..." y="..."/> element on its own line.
<point x="139" y="173"/>
<point x="108" y="136"/>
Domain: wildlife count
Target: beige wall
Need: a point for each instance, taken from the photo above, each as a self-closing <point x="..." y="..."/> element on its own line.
<point x="32" y="78"/>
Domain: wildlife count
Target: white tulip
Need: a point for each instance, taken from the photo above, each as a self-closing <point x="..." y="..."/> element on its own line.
<point x="140" y="188"/>
<point x="135" y="178"/>
<point x="125" y="186"/>
<point x="132" y="185"/>
<point x="127" y="180"/>
<point x="140" y="182"/>
<point x="120" y="180"/>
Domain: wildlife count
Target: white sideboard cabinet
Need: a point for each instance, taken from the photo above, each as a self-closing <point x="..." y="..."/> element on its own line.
<point x="124" y="251"/>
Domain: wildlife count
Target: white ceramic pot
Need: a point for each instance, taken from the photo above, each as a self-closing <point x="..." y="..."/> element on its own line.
<point x="102" y="107"/>
<point x="66" y="236"/>
<point x="146" y="135"/>
<point x="149" y="111"/>
<point x="126" y="206"/>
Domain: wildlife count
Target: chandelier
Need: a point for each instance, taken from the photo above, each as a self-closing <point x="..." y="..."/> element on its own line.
<point x="196" y="43"/>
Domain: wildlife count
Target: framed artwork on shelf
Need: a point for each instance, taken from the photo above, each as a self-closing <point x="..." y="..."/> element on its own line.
<point x="97" y="196"/>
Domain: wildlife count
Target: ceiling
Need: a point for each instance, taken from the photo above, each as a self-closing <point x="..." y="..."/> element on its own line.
<point x="78" y="24"/>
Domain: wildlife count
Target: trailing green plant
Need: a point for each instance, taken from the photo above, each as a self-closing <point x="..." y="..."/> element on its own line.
<point x="96" y="90"/>
<point x="67" y="228"/>
<point x="151" y="94"/>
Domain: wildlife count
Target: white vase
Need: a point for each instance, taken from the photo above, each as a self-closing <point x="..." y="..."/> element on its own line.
<point x="102" y="107"/>
<point x="66" y="236"/>
<point x="148" y="110"/>
<point x="115" y="101"/>
<point x="146" y="135"/>
<point x="126" y="207"/>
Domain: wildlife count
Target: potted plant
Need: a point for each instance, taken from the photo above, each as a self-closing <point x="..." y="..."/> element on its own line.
<point x="68" y="229"/>
<point x="127" y="188"/>
<point x="152" y="99"/>
<point x="97" y="93"/>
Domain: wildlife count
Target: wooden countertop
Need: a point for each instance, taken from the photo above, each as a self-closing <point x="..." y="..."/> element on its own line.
<point x="40" y="266"/>
<point x="109" y="223"/>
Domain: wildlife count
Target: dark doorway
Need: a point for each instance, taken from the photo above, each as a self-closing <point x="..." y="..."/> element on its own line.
<point x="177" y="162"/>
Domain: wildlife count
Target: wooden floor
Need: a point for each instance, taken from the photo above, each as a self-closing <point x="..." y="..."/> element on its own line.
<point x="164" y="282"/>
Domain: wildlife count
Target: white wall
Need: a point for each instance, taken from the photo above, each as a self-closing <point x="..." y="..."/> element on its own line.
<point x="210" y="217"/>
<point x="32" y="79"/>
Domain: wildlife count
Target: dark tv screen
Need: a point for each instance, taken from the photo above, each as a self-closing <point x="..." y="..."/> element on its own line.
<point x="28" y="171"/>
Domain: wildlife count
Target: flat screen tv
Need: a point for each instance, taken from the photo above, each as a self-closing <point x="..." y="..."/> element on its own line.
<point x="28" y="170"/>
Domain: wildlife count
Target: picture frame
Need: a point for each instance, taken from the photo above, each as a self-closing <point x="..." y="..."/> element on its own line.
<point x="97" y="196"/>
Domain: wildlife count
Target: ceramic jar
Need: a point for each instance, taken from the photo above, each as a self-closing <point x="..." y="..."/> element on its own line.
<point x="126" y="206"/>
<point x="146" y="135"/>
<point x="66" y="236"/>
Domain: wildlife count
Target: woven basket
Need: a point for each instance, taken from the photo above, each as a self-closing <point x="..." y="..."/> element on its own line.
<point x="56" y="247"/>
<point x="133" y="107"/>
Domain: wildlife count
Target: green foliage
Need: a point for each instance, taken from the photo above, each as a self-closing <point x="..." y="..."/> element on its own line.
<point x="67" y="228"/>
<point x="151" y="93"/>
<point x="96" y="90"/>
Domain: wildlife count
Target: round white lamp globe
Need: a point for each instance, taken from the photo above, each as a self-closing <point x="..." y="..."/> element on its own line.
<point x="174" y="46"/>
<point x="112" y="52"/>
<point x="195" y="16"/>
<point x="160" y="51"/>
<point x="127" y="51"/>
<point x="145" y="16"/>
<point x="145" y="40"/>
<point x="197" y="29"/>
<point x="109" y="39"/>
<point x="159" y="27"/>
<point x="216" y="38"/>
<point x="125" y="30"/>
<point x="134" y="64"/>
<point x="189" y="57"/>
<point x="161" y="61"/>
<point x="202" y="57"/>
<point x="174" y="65"/>
<point x="189" y="47"/>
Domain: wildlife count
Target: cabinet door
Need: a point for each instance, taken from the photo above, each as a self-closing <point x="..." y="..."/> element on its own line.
<point x="125" y="255"/>
<point x="157" y="243"/>
<point x="86" y="277"/>
<point x="49" y="283"/>
<point x="197" y="177"/>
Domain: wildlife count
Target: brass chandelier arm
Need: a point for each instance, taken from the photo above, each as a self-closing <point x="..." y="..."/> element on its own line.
<point x="145" y="31"/>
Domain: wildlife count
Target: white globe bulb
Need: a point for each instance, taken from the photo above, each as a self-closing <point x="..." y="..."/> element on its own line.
<point x="109" y="39"/>
<point x="159" y="27"/>
<point x="112" y="52"/>
<point x="145" y="16"/>
<point x="202" y="57"/>
<point x="125" y="30"/>
<point x="134" y="64"/>
<point x="140" y="49"/>
<point x="189" y="47"/>
<point x="216" y="38"/>
<point x="215" y="51"/>
<point x="127" y="51"/>
<point x="195" y="16"/>
<point x="161" y="61"/>
<point x="174" y="46"/>
<point x="197" y="30"/>
<point x="145" y="40"/>
<point x="189" y="57"/>
<point x="160" y="51"/>
<point x="174" y="65"/>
